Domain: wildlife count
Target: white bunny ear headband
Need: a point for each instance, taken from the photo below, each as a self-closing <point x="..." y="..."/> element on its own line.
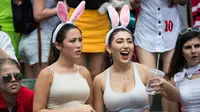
<point x="124" y="19"/>
<point x="63" y="15"/>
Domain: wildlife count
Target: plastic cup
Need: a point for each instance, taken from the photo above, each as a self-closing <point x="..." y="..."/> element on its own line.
<point x="153" y="73"/>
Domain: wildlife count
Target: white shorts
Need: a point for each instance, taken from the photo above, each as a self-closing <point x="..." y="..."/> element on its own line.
<point x="28" y="47"/>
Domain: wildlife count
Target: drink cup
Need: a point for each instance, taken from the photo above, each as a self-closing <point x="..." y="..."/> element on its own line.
<point x="153" y="73"/>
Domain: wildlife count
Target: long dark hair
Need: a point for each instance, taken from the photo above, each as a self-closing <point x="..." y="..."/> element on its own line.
<point x="54" y="52"/>
<point x="107" y="58"/>
<point x="178" y="61"/>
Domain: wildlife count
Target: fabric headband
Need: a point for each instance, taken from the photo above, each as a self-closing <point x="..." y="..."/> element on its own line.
<point x="112" y="30"/>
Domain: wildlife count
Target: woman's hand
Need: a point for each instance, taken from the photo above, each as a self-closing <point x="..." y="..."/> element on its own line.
<point x="158" y="84"/>
<point x="84" y="108"/>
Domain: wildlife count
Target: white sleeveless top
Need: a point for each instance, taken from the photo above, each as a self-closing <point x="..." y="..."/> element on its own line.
<point x="157" y="26"/>
<point x="67" y="90"/>
<point x="190" y="94"/>
<point x="136" y="99"/>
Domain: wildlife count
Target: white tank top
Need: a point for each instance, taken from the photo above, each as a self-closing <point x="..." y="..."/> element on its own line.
<point x="190" y="94"/>
<point x="67" y="90"/>
<point x="136" y="99"/>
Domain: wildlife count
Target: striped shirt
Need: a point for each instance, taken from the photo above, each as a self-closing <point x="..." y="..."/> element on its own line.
<point x="196" y="12"/>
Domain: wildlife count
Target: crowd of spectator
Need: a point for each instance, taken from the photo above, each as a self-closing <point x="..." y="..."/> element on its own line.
<point x="96" y="56"/>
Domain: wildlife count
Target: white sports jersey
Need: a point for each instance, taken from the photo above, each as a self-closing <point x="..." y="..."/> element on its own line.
<point x="157" y="26"/>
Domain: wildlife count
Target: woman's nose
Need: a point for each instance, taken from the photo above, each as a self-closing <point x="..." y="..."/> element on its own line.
<point x="193" y="49"/>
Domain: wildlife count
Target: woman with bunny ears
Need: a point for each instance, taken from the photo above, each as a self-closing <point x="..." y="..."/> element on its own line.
<point x="121" y="87"/>
<point x="64" y="86"/>
<point x="114" y="88"/>
<point x="94" y="26"/>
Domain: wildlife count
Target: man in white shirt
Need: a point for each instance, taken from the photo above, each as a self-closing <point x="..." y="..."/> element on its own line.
<point x="6" y="47"/>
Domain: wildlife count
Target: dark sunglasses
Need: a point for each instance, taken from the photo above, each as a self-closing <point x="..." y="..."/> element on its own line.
<point x="185" y="30"/>
<point x="8" y="77"/>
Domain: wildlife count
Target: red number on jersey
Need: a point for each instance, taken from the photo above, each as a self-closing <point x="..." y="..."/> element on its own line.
<point x="169" y="26"/>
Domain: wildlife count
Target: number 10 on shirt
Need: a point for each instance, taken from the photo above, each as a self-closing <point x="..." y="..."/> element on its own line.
<point x="169" y="26"/>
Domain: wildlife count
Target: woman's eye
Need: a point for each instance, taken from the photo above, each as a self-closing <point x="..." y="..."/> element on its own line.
<point x="130" y="41"/>
<point x="73" y="41"/>
<point x="197" y="45"/>
<point x="188" y="47"/>
<point x="80" y="40"/>
<point x="119" y="42"/>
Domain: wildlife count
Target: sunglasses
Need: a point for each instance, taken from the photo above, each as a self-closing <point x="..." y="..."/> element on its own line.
<point x="8" y="77"/>
<point x="185" y="30"/>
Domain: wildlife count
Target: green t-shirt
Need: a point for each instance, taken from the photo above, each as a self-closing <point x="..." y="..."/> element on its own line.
<point x="6" y="17"/>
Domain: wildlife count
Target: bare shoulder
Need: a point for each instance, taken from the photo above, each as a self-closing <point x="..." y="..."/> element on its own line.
<point x="142" y="68"/>
<point x="46" y="75"/>
<point x="99" y="80"/>
<point x="84" y="72"/>
<point x="143" y="72"/>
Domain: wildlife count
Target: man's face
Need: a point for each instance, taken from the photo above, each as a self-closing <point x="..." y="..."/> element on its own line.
<point x="10" y="77"/>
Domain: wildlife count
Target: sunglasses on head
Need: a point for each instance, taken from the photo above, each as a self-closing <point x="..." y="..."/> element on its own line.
<point x="185" y="30"/>
<point x="8" y="77"/>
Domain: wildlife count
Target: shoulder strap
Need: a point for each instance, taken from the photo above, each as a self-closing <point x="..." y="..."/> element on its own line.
<point x="80" y="70"/>
<point x="53" y="72"/>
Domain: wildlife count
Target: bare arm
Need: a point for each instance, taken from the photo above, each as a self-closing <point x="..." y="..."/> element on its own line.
<point x="167" y="90"/>
<point x="98" y="94"/>
<point x="88" y="77"/>
<point x="41" y="12"/>
<point x="171" y="106"/>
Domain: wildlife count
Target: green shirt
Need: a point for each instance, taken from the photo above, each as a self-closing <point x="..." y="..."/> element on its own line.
<point x="6" y="17"/>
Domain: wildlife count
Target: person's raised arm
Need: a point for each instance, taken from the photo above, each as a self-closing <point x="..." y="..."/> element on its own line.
<point x="41" y="12"/>
<point x="166" y="89"/>
<point x="98" y="93"/>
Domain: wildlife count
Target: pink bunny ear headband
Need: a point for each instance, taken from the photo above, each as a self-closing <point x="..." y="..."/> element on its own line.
<point x="63" y="15"/>
<point x="115" y="19"/>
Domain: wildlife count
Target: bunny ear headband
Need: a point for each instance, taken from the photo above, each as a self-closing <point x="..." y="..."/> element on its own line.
<point x="63" y="15"/>
<point x="124" y="19"/>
